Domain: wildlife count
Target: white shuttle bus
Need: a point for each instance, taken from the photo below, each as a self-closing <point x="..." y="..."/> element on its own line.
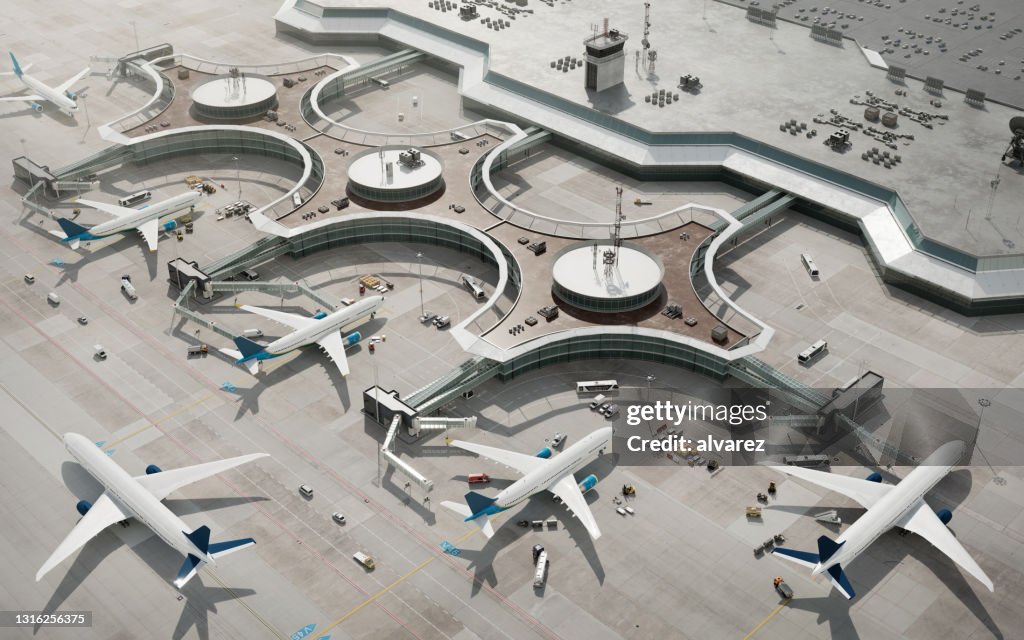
<point x="473" y="285"/>
<point x="541" y="575"/>
<point x="813" y="351"/>
<point x="812" y="269"/>
<point x="596" y="386"/>
<point x="135" y="198"/>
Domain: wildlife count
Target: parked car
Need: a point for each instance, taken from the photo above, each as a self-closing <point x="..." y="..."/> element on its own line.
<point x="337" y="517"/>
<point x="479" y="478"/>
<point x="306" y="491"/>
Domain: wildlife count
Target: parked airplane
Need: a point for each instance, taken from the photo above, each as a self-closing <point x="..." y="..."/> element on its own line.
<point x="139" y="497"/>
<point x="888" y="506"/>
<point x="323" y="329"/>
<point x="541" y="472"/>
<point x="145" y="220"/>
<point x="61" y="96"/>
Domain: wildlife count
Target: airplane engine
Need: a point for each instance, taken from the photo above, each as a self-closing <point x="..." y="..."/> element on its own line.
<point x="151" y="469"/>
<point x="945" y="515"/>
<point x="320" y="315"/>
<point x="83" y="507"/>
<point x="588" y="483"/>
<point x="72" y="95"/>
<point x="874" y="477"/>
<point x="35" y="106"/>
<point x="170" y="225"/>
<point x="353" y="338"/>
<point x="544" y="453"/>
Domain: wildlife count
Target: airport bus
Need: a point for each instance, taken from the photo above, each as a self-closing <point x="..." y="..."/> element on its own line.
<point x="812" y="269"/>
<point x="596" y="386"/>
<point x="813" y="351"/>
<point x="471" y="283"/>
<point x="135" y="198"/>
<point x="540" y="575"/>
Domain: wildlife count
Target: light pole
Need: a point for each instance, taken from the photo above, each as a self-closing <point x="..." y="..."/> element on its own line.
<point x="136" y="33"/>
<point x="238" y="178"/>
<point x="650" y="381"/>
<point x="983" y="403"/>
<point x="419" y="258"/>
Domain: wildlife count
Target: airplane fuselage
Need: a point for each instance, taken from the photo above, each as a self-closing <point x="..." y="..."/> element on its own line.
<point x="58" y="98"/>
<point x="332" y="322"/>
<point x="894" y="505"/>
<point x="155" y="211"/>
<point x="131" y="496"/>
<point x="571" y="460"/>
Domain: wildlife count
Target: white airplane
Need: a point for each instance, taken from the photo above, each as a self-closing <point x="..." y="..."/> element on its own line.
<point x="145" y="220"/>
<point x="322" y="329"/>
<point x="888" y="506"/>
<point x="61" y="95"/>
<point x="139" y="497"/>
<point x="542" y="472"/>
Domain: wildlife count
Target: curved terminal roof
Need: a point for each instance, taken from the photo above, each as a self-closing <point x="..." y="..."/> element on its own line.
<point x="229" y="92"/>
<point x="581" y="270"/>
<point x="369" y="169"/>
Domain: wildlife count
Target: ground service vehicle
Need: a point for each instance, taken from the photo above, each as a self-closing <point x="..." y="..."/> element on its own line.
<point x="365" y="560"/>
<point x="135" y="198"/>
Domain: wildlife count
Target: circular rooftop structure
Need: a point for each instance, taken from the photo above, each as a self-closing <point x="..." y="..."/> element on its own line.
<point x="395" y="174"/>
<point x="583" y="280"/>
<point x="232" y="97"/>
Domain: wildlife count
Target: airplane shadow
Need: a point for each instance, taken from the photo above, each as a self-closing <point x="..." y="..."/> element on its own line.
<point x="833" y="609"/>
<point x="186" y="506"/>
<point x="200" y="602"/>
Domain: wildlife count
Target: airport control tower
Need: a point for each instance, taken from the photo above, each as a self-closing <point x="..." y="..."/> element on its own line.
<point x="606" y="60"/>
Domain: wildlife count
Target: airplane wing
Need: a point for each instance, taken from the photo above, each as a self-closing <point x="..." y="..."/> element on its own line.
<point x="293" y="320"/>
<point x="72" y="80"/>
<point x="333" y="346"/>
<point x="923" y="521"/>
<point x="103" y="513"/>
<point x="569" y="491"/>
<point x="518" y="461"/>
<point x="150" y="230"/>
<point x="31" y="98"/>
<point x="164" y="483"/>
<point x="112" y="209"/>
<point x="865" y="492"/>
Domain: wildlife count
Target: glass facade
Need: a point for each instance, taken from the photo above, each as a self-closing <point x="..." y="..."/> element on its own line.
<point x="605" y="305"/>
<point x="617" y="346"/>
<point x="226" y="112"/>
<point x="380" y="194"/>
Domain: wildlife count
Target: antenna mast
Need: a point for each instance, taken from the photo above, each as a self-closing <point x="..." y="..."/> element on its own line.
<point x="647" y="31"/>
<point x="611" y="254"/>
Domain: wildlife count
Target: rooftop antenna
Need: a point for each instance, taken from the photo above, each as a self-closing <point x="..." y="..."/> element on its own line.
<point x="605" y="32"/>
<point x="646" y="42"/>
<point x="611" y="254"/>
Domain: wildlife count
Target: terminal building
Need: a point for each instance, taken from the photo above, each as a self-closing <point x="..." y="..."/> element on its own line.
<point x="395" y="174"/>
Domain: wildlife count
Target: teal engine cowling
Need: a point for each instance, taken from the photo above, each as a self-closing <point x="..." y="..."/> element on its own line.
<point x="544" y="453"/>
<point x="588" y="483"/>
<point x="83" y="507"/>
<point x="874" y="477"/>
<point x="151" y="469"/>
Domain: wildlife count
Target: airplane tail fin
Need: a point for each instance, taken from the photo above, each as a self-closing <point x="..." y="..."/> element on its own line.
<point x="253" y="366"/>
<point x="477" y="502"/>
<point x="840" y="581"/>
<point x="827" y="548"/>
<point x="71" y="230"/>
<point x="17" y="68"/>
<point x="188" y="570"/>
<point x="218" y="549"/>
<point x="247" y="346"/>
<point x="200" y="537"/>
<point x="463" y="510"/>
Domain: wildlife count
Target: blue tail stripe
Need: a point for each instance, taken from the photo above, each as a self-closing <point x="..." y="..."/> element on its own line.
<point x="200" y="537"/>
<point x="805" y="556"/>
<point x="836" y="571"/>
<point x="17" y="68"/>
<point x="247" y="347"/>
<point x="187" y="567"/>
<point x="71" y="229"/>
<point x="218" y="548"/>
<point x="827" y="547"/>
<point x="478" y="502"/>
